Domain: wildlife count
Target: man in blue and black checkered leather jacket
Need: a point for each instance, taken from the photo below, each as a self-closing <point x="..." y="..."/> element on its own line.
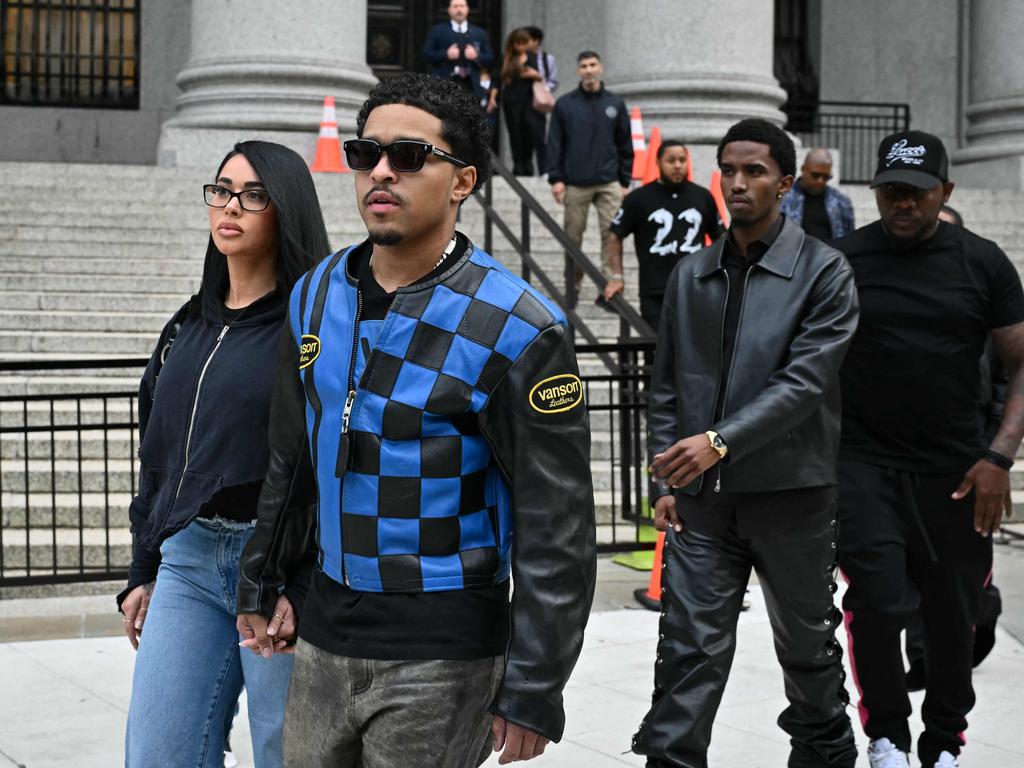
<point x="429" y="440"/>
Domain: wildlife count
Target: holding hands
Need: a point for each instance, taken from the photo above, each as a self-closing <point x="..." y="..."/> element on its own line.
<point x="269" y="637"/>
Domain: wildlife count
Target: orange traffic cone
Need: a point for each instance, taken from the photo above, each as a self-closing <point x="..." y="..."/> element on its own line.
<point x="328" y="147"/>
<point x="652" y="173"/>
<point x="650" y="598"/>
<point x="716" y="192"/>
<point x="636" y="125"/>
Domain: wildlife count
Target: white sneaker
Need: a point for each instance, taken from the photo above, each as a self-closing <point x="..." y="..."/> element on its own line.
<point x="946" y="760"/>
<point x="882" y="753"/>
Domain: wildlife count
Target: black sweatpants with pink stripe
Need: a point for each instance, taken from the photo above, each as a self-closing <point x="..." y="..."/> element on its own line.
<point x="904" y="541"/>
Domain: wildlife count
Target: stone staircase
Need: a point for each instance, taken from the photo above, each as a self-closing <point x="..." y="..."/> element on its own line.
<point x="94" y="259"/>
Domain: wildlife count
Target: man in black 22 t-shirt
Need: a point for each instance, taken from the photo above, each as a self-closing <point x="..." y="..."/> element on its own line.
<point x="917" y="496"/>
<point x="668" y="218"/>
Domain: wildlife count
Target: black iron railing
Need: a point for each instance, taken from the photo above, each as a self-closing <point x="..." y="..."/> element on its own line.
<point x="74" y="54"/>
<point x="630" y="322"/>
<point x="68" y="467"/>
<point x="67" y="473"/>
<point x="854" y="128"/>
<point x="617" y="405"/>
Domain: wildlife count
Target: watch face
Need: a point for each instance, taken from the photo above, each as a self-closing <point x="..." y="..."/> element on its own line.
<point x="718" y="442"/>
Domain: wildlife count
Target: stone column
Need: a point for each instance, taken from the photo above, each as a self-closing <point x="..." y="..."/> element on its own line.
<point x="691" y="70"/>
<point x="993" y="153"/>
<point x="261" y="69"/>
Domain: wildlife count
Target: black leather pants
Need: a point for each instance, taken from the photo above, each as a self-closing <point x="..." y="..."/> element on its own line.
<point x="704" y="579"/>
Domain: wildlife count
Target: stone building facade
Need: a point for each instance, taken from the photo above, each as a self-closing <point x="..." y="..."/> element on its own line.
<point x="212" y="71"/>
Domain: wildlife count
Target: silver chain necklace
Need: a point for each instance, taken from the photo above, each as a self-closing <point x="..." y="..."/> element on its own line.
<point x="447" y="252"/>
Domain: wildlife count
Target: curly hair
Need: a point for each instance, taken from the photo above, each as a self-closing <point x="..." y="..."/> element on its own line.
<point x="462" y="120"/>
<point x="759" y="131"/>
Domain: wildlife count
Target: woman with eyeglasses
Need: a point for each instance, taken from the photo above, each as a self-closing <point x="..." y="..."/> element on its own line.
<point x="204" y="405"/>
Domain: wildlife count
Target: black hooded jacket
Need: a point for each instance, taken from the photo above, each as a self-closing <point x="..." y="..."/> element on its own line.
<point x="204" y="406"/>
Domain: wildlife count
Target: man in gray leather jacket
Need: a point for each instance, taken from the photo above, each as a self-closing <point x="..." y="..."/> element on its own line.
<point x="743" y="439"/>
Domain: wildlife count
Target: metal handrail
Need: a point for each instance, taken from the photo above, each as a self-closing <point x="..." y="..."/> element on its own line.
<point x="855" y="128"/>
<point x="630" y="318"/>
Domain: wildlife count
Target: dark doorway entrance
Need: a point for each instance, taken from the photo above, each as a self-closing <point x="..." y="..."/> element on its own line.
<point x="396" y="29"/>
<point x="797" y="28"/>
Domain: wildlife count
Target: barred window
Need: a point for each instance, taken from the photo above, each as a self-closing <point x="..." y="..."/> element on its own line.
<point x="78" y="53"/>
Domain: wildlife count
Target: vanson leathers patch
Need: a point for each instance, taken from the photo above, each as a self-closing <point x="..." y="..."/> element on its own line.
<point x="309" y="350"/>
<point x="556" y="393"/>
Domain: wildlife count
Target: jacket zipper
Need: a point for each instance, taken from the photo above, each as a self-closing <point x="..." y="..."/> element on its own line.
<point x="721" y="364"/>
<point x="350" y="400"/>
<point x="195" y="408"/>
<point x="739" y="322"/>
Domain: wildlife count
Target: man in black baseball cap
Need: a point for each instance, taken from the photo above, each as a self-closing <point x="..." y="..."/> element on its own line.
<point x="915" y="158"/>
<point x="920" y="490"/>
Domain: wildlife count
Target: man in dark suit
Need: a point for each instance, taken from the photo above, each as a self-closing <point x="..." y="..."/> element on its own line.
<point x="457" y="49"/>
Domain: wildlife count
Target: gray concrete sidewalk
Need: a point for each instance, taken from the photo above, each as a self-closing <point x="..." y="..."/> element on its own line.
<point x="64" y="702"/>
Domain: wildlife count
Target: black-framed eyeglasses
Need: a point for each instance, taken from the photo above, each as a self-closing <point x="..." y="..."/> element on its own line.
<point x="405" y="156"/>
<point x="816" y="176"/>
<point x="252" y="200"/>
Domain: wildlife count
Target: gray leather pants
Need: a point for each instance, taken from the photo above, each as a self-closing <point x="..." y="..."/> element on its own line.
<point x="365" y="713"/>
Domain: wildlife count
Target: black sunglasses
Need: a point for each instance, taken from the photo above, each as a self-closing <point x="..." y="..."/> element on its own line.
<point x="404" y="156"/>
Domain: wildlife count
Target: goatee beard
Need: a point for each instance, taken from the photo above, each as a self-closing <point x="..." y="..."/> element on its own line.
<point x="385" y="237"/>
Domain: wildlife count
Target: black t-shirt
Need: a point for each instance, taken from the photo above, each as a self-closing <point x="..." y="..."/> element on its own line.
<point x="816" y="222"/>
<point x="455" y="624"/>
<point x="910" y="382"/>
<point x="667" y="222"/>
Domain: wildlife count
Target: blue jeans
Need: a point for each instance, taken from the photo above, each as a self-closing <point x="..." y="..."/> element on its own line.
<point x="189" y="670"/>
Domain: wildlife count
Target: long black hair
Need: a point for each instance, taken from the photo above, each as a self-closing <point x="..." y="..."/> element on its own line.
<point x="301" y="235"/>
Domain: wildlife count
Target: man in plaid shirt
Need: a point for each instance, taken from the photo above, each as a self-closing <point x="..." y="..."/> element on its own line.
<point x="429" y="431"/>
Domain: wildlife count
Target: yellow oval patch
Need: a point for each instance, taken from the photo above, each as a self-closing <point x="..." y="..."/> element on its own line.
<point x="309" y="350"/>
<point x="556" y="393"/>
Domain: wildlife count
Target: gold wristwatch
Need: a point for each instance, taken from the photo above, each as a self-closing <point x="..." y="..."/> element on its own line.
<point x="717" y="443"/>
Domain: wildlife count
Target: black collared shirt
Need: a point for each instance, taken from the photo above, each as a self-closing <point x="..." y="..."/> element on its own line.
<point x="737" y="267"/>
<point x="755" y="514"/>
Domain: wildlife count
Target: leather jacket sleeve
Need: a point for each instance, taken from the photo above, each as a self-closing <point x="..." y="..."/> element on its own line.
<point x="810" y="371"/>
<point x="662" y="427"/>
<point x="545" y="457"/>
<point x="281" y="553"/>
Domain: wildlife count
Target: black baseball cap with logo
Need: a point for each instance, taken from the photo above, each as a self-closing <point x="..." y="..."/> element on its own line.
<point x="911" y="157"/>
